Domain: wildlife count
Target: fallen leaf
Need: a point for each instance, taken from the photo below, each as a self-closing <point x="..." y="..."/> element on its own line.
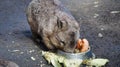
<point x="33" y="58"/>
<point x="96" y="62"/>
<point x="113" y="12"/>
<point x="72" y="62"/>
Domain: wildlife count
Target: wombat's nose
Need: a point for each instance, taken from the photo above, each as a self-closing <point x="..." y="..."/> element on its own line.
<point x="71" y="46"/>
<point x="72" y="34"/>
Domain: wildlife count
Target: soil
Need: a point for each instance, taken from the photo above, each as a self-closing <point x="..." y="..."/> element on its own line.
<point x="99" y="21"/>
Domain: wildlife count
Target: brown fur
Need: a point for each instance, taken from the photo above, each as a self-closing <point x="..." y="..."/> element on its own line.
<point x="50" y="20"/>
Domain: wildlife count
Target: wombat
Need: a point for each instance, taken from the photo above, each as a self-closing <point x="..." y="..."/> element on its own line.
<point x="51" y="21"/>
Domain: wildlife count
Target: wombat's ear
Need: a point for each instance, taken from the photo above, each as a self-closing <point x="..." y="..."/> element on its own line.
<point x="62" y="24"/>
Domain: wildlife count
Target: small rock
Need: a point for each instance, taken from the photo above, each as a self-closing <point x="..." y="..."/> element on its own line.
<point x="8" y="50"/>
<point x="96" y="15"/>
<point x="100" y="35"/>
<point x="13" y="41"/>
<point x="80" y="18"/>
<point x="15" y="50"/>
<point x="21" y="52"/>
<point x="37" y="56"/>
<point x="33" y="58"/>
<point x="113" y="12"/>
<point x="9" y="33"/>
<point x="31" y="51"/>
<point x="102" y="28"/>
<point x="96" y="2"/>
<point x="41" y="61"/>
<point x="42" y="65"/>
<point x="95" y="5"/>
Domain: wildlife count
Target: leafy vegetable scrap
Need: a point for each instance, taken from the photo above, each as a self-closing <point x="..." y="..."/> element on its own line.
<point x="57" y="60"/>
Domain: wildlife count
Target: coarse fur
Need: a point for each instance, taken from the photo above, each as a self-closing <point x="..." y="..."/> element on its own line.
<point x="51" y="21"/>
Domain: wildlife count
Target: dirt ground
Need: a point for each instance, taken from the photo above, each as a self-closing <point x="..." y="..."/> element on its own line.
<point x="99" y="21"/>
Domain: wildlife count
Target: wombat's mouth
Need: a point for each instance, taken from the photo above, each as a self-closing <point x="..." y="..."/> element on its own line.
<point x="65" y="47"/>
<point x="67" y="44"/>
<point x="61" y="42"/>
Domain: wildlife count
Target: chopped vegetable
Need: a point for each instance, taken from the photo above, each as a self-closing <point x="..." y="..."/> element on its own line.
<point x="99" y="62"/>
<point x="82" y="45"/>
<point x="51" y="58"/>
<point x="72" y="62"/>
<point x="78" y="44"/>
<point x="85" y="45"/>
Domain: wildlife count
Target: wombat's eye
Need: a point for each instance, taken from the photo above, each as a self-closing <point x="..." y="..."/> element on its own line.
<point x="62" y="24"/>
<point x="59" y="23"/>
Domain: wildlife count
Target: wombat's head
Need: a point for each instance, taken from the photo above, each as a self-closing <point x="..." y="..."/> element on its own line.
<point x="67" y="34"/>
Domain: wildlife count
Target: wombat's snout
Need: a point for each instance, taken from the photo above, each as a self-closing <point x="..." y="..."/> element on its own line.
<point x="68" y="40"/>
<point x="74" y="36"/>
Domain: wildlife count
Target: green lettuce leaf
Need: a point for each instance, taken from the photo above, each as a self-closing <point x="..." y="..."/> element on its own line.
<point x="57" y="60"/>
<point x="98" y="62"/>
